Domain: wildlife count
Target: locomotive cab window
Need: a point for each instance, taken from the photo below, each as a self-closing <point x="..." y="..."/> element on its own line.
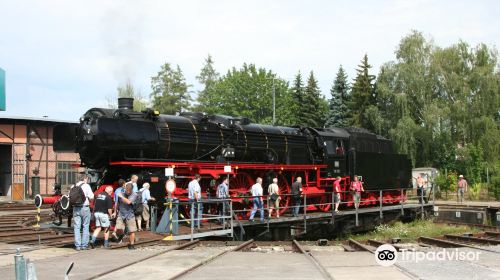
<point x="330" y="149"/>
<point x="339" y="150"/>
<point x="334" y="147"/>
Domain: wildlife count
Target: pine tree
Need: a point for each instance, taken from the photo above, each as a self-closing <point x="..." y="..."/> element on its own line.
<point x="338" y="114"/>
<point x="298" y="99"/>
<point x="315" y="106"/>
<point x="170" y="90"/>
<point x="208" y="77"/>
<point x="362" y="94"/>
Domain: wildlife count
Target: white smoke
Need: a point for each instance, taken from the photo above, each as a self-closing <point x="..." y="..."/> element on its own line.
<point x="123" y="26"/>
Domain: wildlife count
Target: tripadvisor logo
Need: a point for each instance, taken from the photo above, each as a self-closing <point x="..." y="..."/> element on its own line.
<point x="385" y="255"/>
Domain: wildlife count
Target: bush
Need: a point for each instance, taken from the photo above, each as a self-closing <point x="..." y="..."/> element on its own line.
<point x="495" y="182"/>
<point x="447" y="183"/>
<point x="475" y="191"/>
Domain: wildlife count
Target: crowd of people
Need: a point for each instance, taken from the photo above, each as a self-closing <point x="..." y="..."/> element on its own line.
<point x="128" y="207"/>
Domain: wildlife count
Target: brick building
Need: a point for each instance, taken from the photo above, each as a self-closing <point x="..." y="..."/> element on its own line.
<point x="26" y="151"/>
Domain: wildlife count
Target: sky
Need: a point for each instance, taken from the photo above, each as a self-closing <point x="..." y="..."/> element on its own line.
<point x="63" y="57"/>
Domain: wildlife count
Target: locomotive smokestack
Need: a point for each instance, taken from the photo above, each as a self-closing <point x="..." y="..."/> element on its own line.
<point x="126" y="103"/>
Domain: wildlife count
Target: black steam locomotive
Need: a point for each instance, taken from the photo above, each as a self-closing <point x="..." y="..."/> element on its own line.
<point x="115" y="143"/>
<point x="110" y="135"/>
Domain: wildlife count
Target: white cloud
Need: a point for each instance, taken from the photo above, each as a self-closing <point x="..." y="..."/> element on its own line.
<point x="77" y="52"/>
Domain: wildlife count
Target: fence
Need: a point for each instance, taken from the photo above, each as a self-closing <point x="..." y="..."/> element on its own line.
<point x="307" y="201"/>
<point x="170" y="221"/>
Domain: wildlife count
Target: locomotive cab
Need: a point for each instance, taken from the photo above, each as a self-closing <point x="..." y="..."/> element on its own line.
<point x="334" y="142"/>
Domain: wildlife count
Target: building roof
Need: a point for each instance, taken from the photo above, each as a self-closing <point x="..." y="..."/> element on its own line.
<point x="33" y="119"/>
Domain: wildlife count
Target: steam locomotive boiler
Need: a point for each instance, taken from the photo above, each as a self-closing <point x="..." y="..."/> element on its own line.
<point x="119" y="142"/>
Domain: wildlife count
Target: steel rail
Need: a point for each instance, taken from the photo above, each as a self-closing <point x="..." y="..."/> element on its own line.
<point x="492" y="234"/>
<point x="180" y="247"/>
<point x="472" y="239"/>
<point x="363" y="247"/>
<point x="21" y="240"/>
<point x="312" y="259"/>
<point x="359" y="246"/>
<point x="209" y="260"/>
<point x="142" y="242"/>
<point x="450" y="244"/>
<point x="377" y="243"/>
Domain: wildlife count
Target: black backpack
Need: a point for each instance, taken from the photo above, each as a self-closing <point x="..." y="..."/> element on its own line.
<point x="76" y="195"/>
<point x="138" y="206"/>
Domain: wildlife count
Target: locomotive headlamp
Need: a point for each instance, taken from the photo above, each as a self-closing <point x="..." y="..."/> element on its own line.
<point x="156" y="113"/>
<point x="170" y="186"/>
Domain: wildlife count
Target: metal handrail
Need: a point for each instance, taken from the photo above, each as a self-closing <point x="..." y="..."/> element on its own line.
<point x="405" y="196"/>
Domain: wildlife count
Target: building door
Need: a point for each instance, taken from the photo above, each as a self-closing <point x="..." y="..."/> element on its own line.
<point x="5" y="169"/>
<point x="18" y="171"/>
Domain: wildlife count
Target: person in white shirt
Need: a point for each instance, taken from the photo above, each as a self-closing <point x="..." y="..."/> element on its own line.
<point x="274" y="198"/>
<point x="258" y="202"/>
<point x="194" y="195"/>
<point x="81" y="215"/>
<point x="146" y="197"/>
<point x="133" y="180"/>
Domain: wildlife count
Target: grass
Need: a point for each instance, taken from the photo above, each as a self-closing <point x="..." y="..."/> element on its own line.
<point x="411" y="231"/>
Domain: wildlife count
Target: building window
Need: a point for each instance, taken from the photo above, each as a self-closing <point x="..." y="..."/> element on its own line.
<point x="66" y="173"/>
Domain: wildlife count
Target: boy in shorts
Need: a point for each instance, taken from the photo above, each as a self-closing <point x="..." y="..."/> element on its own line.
<point x="103" y="209"/>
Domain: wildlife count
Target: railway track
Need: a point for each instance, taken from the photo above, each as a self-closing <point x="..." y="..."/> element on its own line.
<point x="446" y="241"/>
<point x="294" y="246"/>
<point x="20" y="207"/>
<point x="480" y="226"/>
<point x="458" y="241"/>
<point x="179" y="247"/>
<point x="359" y="246"/>
<point x="297" y="247"/>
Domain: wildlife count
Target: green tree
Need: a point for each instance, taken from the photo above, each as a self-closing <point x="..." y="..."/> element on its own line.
<point x="362" y="94"/>
<point x="170" y="90"/>
<point x="248" y="92"/>
<point x="208" y="78"/>
<point x="315" y="106"/>
<point x="298" y="98"/>
<point x="440" y="105"/>
<point x="338" y="113"/>
<point x="128" y="90"/>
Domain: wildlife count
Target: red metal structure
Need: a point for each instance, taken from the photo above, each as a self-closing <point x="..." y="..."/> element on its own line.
<point x="243" y="176"/>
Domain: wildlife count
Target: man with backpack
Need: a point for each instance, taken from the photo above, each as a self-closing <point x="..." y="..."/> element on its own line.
<point x="79" y="196"/>
<point x="126" y="215"/>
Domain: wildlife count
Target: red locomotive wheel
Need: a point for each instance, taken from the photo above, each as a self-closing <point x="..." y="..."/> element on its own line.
<point x="240" y="185"/>
<point x="284" y="189"/>
<point x="325" y="202"/>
